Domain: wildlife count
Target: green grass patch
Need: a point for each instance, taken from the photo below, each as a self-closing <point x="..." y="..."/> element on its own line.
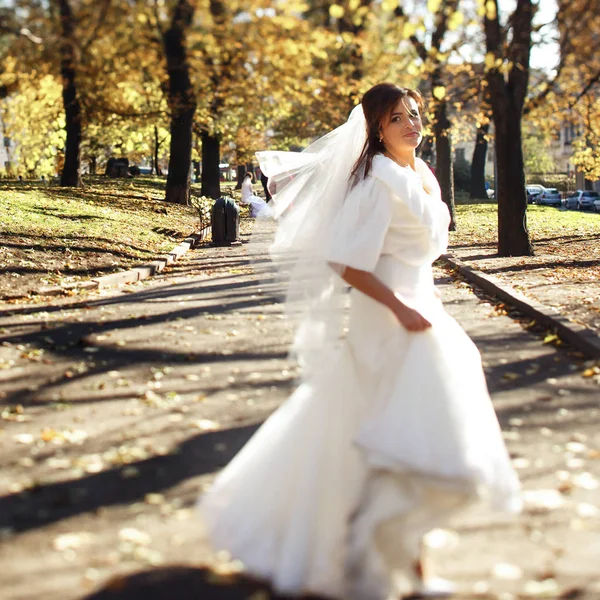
<point x="478" y="223"/>
<point x="54" y="235"/>
<point x="129" y="215"/>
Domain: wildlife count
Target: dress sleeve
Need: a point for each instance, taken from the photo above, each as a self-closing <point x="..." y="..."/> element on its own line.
<point x="360" y="227"/>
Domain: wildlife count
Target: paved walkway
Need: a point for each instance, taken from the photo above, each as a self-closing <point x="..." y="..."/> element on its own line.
<point x="129" y="401"/>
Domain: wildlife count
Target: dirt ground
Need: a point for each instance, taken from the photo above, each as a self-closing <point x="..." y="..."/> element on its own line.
<point x="27" y="265"/>
<point x="564" y="274"/>
<point x="119" y="408"/>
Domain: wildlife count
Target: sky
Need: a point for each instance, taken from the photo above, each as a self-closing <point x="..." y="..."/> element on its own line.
<point x="545" y="56"/>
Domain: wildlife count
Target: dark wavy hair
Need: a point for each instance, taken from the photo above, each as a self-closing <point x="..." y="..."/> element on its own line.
<point x="378" y="103"/>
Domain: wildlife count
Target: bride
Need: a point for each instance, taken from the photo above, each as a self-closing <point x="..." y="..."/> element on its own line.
<point x="392" y="429"/>
<point x="259" y="209"/>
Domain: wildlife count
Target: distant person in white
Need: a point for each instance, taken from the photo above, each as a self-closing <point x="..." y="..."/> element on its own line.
<point x="259" y="209"/>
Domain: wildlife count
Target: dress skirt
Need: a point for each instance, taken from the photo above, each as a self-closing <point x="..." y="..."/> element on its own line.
<point x="332" y="495"/>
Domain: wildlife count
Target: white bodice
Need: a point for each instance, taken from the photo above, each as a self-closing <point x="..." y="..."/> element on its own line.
<point x="389" y="215"/>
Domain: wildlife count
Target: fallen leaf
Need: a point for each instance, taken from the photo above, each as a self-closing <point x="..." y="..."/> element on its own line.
<point x="586" y="481"/>
<point x="260" y="595"/>
<point x="576" y="447"/>
<point x="543" y="500"/>
<point x="206" y="425"/>
<point x="511" y="376"/>
<point x="129" y="472"/>
<point x="548" y="588"/>
<point x="71" y="541"/>
<point x="441" y="538"/>
<point x="587" y="511"/>
<point x="134" y="536"/>
<point x="154" y="499"/>
<point x="520" y="463"/>
<point x="507" y="571"/>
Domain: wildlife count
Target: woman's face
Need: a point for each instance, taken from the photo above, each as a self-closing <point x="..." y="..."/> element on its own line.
<point x="401" y="130"/>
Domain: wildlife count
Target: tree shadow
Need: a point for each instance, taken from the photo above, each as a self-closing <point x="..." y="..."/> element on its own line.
<point x="186" y="583"/>
<point x="67" y="217"/>
<point x="534" y="266"/>
<point x="198" y="455"/>
<point x="65" y="271"/>
<point x="48" y="243"/>
<point x="537" y="242"/>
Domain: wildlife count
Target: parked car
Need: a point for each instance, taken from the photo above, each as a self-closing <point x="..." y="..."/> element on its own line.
<point x="550" y="197"/>
<point x="533" y="192"/>
<point x="597" y="204"/>
<point x="582" y="200"/>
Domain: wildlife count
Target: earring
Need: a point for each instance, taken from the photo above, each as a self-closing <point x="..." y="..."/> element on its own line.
<point x="380" y="139"/>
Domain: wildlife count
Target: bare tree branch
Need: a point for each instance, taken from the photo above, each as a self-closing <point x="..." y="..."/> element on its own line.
<point x="416" y="42"/>
<point x="519" y="49"/>
<point x="589" y="85"/>
<point x="449" y="7"/>
<point x="16" y="30"/>
<point x="101" y="17"/>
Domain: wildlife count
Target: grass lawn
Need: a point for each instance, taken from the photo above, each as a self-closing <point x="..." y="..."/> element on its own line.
<point x="52" y="235"/>
<point x="478" y="223"/>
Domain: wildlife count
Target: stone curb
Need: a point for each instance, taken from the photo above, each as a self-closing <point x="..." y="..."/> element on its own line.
<point x="578" y="336"/>
<point x="122" y="277"/>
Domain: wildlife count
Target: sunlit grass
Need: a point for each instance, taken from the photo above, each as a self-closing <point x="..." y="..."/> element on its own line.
<point x="479" y="223"/>
<point x="123" y="213"/>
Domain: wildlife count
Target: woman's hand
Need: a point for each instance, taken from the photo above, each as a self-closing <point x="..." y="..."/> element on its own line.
<point x="371" y="286"/>
<point x="410" y="319"/>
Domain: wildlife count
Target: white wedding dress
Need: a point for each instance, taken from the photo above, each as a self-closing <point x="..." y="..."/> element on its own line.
<point x="259" y="209"/>
<point x="334" y="492"/>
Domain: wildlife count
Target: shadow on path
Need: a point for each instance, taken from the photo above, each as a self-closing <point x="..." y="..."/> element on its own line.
<point x="199" y="455"/>
<point x="184" y="583"/>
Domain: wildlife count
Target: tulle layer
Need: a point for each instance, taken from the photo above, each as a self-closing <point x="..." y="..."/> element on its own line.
<point x="334" y="492"/>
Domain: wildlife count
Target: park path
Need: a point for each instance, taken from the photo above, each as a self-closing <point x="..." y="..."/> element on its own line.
<point x="121" y="406"/>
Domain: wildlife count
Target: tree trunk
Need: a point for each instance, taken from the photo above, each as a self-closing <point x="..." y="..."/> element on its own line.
<point x="93" y="164"/>
<point x="211" y="176"/>
<point x="478" y="163"/>
<point x="507" y="94"/>
<point x="443" y="162"/>
<point x="155" y="166"/>
<point x="513" y="236"/>
<point x="71" y="174"/>
<point x="180" y="154"/>
<point x="241" y="171"/>
<point x="181" y="102"/>
<point x="426" y="149"/>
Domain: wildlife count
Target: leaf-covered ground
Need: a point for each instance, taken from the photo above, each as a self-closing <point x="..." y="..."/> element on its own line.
<point x="52" y="235"/>
<point x="563" y="274"/>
